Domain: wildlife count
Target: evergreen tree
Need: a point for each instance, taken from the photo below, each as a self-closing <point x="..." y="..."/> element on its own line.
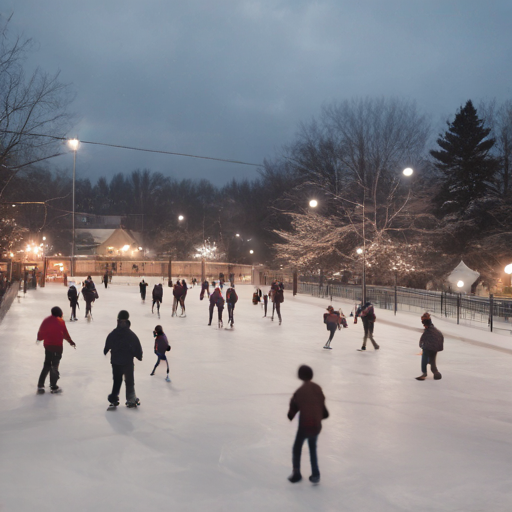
<point x="465" y="163"/>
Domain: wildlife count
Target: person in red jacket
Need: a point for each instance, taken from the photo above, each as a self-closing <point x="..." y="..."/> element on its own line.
<point x="309" y="400"/>
<point x="52" y="332"/>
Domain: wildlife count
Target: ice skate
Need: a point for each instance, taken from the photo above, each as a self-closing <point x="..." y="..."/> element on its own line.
<point x="40" y="390"/>
<point x="314" y="479"/>
<point x="56" y="390"/>
<point x="423" y="376"/>
<point x="133" y="404"/>
<point x="437" y="376"/>
<point x="167" y="379"/>
<point x="295" y="477"/>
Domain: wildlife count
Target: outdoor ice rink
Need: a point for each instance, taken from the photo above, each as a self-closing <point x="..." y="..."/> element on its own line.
<point x="217" y="437"/>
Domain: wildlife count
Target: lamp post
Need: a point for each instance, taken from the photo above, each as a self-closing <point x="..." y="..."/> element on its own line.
<point x="73" y="144"/>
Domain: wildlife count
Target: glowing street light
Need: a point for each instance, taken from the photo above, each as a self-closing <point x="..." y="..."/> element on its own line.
<point x="460" y="284"/>
<point x="251" y="252"/>
<point x="313" y="203"/>
<point x="508" y="269"/>
<point x="73" y="145"/>
<point x="180" y="217"/>
<point x="408" y="171"/>
<point x="359" y="251"/>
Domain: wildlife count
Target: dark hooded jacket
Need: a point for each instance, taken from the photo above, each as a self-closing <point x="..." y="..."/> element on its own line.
<point x="123" y="344"/>
<point x="432" y="339"/>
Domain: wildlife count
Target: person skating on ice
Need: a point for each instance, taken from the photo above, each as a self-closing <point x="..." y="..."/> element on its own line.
<point x="123" y="345"/>
<point x="231" y="300"/>
<point x="278" y="300"/>
<point x="161" y="347"/>
<point x="431" y="342"/>
<point x="177" y="291"/>
<point x="73" y="301"/>
<point x="367" y="314"/>
<point x="89" y="295"/>
<point x="52" y="332"/>
<point x="216" y="299"/>
<point x="183" y="296"/>
<point x="143" y="286"/>
<point x="105" y="279"/>
<point x="332" y="319"/>
<point x="309" y="402"/>
<point x="205" y="288"/>
<point x="158" y="295"/>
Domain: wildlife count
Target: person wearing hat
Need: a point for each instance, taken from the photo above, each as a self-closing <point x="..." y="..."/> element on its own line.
<point x="161" y="347"/>
<point x="52" y="332"/>
<point x="332" y="319"/>
<point x="123" y="345"/>
<point x="367" y="314"/>
<point x="431" y="342"/>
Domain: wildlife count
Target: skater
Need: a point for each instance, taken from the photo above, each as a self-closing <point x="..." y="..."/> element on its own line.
<point x="123" y="345"/>
<point x="204" y="288"/>
<point x="161" y="347"/>
<point x="105" y="279"/>
<point x="216" y="299"/>
<point x="309" y="400"/>
<point x="73" y="301"/>
<point x="158" y="294"/>
<point x="89" y="297"/>
<point x="183" y="296"/>
<point x="278" y="300"/>
<point x="265" y="304"/>
<point x="367" y="314"/>
<point x="431" y="341"/>
<point x="52" y="332"/>
<point x="231" y="300"/>
<point x="177" y="291"/>
<point x="332" y="319"/>
<point x="143" y="286"/>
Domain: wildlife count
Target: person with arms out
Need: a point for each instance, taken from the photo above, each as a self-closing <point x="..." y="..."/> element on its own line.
<point x="161" y="347"/>
<point x="367" y="314"/>
<point x="52" y="332"/>
<point x="309" y="401"/>
<point x="123" y="345"/>
<point x="431" y="342"/>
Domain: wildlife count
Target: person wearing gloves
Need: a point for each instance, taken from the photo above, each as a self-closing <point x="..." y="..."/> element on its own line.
<point x="431" y="342"/>
<point x="161" y="347"/>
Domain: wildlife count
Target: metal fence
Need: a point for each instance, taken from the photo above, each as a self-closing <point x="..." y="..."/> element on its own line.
<point x="450" y="305"/>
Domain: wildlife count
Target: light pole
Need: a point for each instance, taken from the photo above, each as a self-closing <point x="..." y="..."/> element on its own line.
<point x="73" y="144"/>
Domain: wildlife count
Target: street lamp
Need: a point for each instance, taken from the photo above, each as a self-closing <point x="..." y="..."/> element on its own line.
<point x="408" y="171"/>
<point x="73" y="145"/>
<point x="313" y="203"/>
<point x="508" y="269"/>
<point x="180" y="217"/>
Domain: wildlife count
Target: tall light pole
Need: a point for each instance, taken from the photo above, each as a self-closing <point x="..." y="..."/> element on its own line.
<point x="73" y="144"/>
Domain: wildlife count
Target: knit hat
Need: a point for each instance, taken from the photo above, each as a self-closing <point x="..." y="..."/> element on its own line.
<point x="305" y="373"/>
<point x="330" y="308"/>
<point x="56" y="311"/>
<point x="425" y="316"/>
<point x="123" y="315"/>
<point x="159" y="330"/>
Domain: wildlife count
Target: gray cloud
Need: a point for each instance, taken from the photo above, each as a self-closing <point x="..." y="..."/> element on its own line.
<point x="232" y="79"/>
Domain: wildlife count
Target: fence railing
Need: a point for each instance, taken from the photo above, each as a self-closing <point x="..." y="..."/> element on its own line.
<point x="7" y="297"/>
<point x="450" y="305"/>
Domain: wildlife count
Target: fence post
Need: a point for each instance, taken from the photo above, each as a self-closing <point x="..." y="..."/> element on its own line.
<point x="295" y="281"/>
<point x="458" y="307"/>
<point x="491" y="309"/>
<point x="396" y="298"/>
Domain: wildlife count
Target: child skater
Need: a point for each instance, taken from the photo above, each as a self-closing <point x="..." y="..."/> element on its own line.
<point x="161" y="347"/>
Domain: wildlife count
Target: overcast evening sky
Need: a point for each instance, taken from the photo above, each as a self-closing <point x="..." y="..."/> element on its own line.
<point x="233" y="79"/>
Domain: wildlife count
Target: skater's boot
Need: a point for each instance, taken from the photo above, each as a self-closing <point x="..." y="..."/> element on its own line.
<point x="374" y="343"/>
<point x="167" y="378"/>
<point x="40" y="390"/>
<point x="55" y="390"/>
<point x="295" y="476"/>
<point x="423" y="376"/>
<point x="437" y="376"/>
<point x="314" y="479"/>
<point x="113" y="400"/>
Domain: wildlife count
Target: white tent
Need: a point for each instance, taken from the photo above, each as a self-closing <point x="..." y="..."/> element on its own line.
<point x="462" y="277"/>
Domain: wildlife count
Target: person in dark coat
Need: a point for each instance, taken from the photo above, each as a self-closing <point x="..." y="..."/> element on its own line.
<point x="158" y="294"/>
<point x="216" y="299"/>
<point x="332" y="319"/>
<point x="105" y="278"/>
<point x="309" y="401"/>
<point x="89" y="297"/>
<point x="177" y="291"/>
<point x="123" y="345"/>
<point x="143" y="286"/>
<point x="205" y="288"/>
<point x="52" y="332"/>
<point x="183" y="296"/>
<point x="278" y="298"/>
<point x="367" y="314"/>
<point x="161" y="347"/>
<point x="431" y="342"/>
<point x="231" y="300"/>
<point x="73" y="301"/>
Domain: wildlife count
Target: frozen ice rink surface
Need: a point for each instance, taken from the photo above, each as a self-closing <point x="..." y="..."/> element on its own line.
<point x="217" y="437"/>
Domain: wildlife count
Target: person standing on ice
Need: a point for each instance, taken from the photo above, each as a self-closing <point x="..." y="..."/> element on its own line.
<point x="143" y="286"/>
<point x="89" y="297"/>
<point x="123" y="345"/>
<point x="158" y="294"/>
<point x="183" y="296"/>
<point x="432" y="342"/>
<point x="73" y="301"/>
<point x="278" y="300"/>
<point x="309" y="401"/>
<point x="52" y="332"/>
<point x="204" y="289"/>
<point x="332" y="319"/>
<point x="105" y="279"/>
<point x="367" y="314"/>
<point x="161" y="347"/>
<point x="177" y="291"/>
<point x="231" y="300"/>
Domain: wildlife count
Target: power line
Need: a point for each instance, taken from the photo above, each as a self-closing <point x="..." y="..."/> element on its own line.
<point x="118" y="146"/>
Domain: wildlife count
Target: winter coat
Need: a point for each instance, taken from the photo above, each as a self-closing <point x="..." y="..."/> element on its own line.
<point x="309" y="400"/>
<point x="216" y="299"/>
<point x="231" y="296"/>
<point x="332" y="319"/>
<point x="142" y="287"/>
<point x="432" y="339"/>
<point x="161" y="344"/>
<point x="53" y="331"/>
<point x="158" y="292"/>
<point x="123" y="344"/>
<point x="73" y="295"/>
<point x="88" y="294"/>
<point x="279" y="296"/>
<point x="177" y="291"/>
<point x="368" y="314"/>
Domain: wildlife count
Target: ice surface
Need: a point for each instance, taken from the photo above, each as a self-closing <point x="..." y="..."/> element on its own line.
<point x="217" y="437"/>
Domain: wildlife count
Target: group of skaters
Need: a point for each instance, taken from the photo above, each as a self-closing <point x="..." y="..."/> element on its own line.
<point x="89" y="294"/>
<point x="275" y="295"/>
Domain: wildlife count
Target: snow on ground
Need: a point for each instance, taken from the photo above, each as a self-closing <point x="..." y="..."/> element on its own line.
<point x="217" y="437"/>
